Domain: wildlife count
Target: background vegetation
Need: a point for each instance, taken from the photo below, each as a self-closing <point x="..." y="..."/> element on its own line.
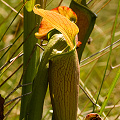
<point x="91" y="70"/>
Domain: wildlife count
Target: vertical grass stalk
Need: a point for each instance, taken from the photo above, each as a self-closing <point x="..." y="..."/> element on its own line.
<point x="30" y="21"/>
<point x="113" y="35"/>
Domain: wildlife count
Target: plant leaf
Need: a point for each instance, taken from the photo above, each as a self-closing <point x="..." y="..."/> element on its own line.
<point x="40" y="84"/>
<point x="64" y="85"/>
<point x="85" y="22"/>
<point x="45" y="26"/>
<point x="29" y="5"/>
<point x="61" y="23"/>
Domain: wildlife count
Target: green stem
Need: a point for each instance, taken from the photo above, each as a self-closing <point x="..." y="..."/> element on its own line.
<point x="30" y="21"/>
<point x="35" y="107"/>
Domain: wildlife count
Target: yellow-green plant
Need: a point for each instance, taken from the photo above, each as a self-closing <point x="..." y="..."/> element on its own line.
<point x="62" y="72"/>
